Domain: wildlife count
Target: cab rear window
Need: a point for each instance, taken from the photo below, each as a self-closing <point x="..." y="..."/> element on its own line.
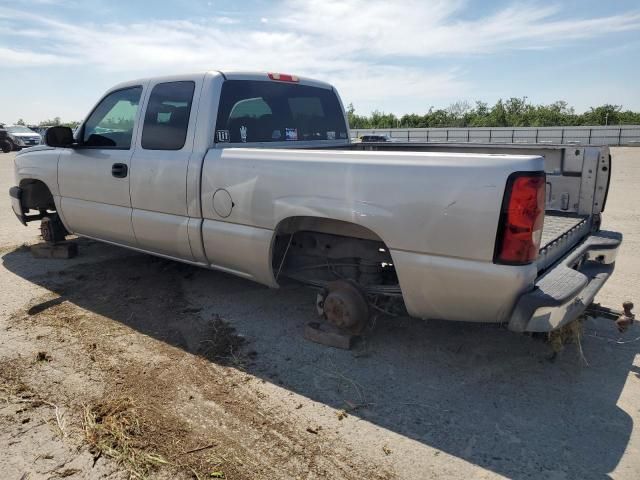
<point x="265" y="111"/>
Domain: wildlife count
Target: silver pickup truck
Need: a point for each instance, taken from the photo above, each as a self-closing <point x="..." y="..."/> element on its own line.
<point x="254" y="174"/>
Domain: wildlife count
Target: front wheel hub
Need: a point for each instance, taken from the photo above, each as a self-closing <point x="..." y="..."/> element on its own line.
<point x="52" y="229"/>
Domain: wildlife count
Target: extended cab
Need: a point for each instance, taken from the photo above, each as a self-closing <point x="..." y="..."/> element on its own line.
<point x="254" y="174"/>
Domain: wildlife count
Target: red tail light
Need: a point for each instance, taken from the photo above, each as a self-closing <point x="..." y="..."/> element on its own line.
<point x="283" y="77"/>
<point x="521" y="220"/>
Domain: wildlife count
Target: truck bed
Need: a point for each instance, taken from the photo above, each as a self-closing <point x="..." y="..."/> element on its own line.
<point x="559" y="234"/>
<point x="571" y="199"/>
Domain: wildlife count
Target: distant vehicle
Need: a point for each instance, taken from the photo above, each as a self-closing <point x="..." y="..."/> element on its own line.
<point x="40" y="129"/>
<point x="374" y="138"/>
<point x="5" y="144"/>
<point x="22" y="137"/>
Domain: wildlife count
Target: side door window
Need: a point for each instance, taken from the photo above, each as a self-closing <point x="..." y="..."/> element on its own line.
<point x="111" y="123"/>
<point x="167" y="117"/>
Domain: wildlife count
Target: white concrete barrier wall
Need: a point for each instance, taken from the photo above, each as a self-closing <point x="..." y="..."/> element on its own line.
<point x="609" y="135"/>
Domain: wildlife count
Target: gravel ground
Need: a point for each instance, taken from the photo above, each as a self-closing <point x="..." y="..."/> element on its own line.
<point x="413" y="400"/>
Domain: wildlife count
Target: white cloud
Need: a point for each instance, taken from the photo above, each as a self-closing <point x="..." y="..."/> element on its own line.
<point x="401" y="89"/>
<point x="424" y="28"/>
<point x="355" y="44"/>
<point x="29" y="58"/>
<point x="226" y="20"/>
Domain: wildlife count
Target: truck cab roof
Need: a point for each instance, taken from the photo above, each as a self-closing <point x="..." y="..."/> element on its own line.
<point x="227" y="75"/>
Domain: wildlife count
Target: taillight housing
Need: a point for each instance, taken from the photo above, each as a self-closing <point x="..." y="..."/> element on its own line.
<point x="521" y="219"/>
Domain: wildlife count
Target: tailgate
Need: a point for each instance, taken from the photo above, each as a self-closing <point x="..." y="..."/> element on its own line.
<point x="560" y="233"/>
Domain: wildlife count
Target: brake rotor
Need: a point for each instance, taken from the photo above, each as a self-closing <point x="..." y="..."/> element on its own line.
<point x="345" y="307"/>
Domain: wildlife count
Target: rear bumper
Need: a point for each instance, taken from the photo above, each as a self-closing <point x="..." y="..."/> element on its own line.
<point x="16" y="204"/>
<point x="564" y="292"/>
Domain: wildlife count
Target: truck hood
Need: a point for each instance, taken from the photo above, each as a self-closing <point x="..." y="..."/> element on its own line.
<point x="35" y="148"/>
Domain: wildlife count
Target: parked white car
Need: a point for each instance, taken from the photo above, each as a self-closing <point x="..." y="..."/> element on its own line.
<point x="22" y="137"/>
<point x="254" y="174"/>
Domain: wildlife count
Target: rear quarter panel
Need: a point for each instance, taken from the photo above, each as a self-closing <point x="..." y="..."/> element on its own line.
<point x="433" y="203"/>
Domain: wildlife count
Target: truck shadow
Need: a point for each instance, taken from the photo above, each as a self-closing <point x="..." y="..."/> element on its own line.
<point x="477" y="392"/>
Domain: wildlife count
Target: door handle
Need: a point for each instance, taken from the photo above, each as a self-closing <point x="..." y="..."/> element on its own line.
<point x="119" y="170"/>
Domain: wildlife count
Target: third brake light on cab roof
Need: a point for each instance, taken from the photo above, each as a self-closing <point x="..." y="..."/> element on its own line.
<point x="283" y="77"/>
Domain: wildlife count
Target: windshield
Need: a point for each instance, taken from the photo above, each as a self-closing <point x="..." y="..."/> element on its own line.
<point x="263" y="111"/>
<point x="19" y="129"/>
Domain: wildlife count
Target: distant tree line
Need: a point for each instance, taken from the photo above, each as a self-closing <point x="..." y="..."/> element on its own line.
<point x="109" y="123"/>
<point x="53" y="122"/>
<point x="514" y="112"/>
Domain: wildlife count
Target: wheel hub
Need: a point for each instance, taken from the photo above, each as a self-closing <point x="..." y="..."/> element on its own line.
<point x="345" y="307"/>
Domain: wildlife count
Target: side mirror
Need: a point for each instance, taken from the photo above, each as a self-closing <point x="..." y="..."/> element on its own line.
<point x="58" y="137"/>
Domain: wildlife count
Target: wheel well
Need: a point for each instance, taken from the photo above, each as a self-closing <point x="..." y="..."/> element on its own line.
<point x="325" y="225"/>
<point x="319" y="250"/>
<point x="36" y="195"/>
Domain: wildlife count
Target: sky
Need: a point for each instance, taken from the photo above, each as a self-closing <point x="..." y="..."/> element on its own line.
<point x="401" y="56"/>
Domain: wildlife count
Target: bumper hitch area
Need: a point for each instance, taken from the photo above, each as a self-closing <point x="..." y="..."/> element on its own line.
<point x="565" y="292"/>
<point x="622" y="318"/>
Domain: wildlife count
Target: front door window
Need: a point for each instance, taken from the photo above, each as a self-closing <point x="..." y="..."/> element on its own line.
<point x="111" y="124"/>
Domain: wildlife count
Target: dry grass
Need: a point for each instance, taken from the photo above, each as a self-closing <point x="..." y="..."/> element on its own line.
<point x="11" y="384"/>
<point x="113" y="428"/>
<point x="221" y="343"/>
<point x="570" y="333"/>
<point x="141" y="438"/>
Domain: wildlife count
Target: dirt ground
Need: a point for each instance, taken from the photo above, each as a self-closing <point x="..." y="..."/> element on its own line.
<point x="120" y="365"/>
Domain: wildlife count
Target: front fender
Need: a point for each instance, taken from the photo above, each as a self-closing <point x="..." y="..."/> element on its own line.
<point x="38" y="163"/>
